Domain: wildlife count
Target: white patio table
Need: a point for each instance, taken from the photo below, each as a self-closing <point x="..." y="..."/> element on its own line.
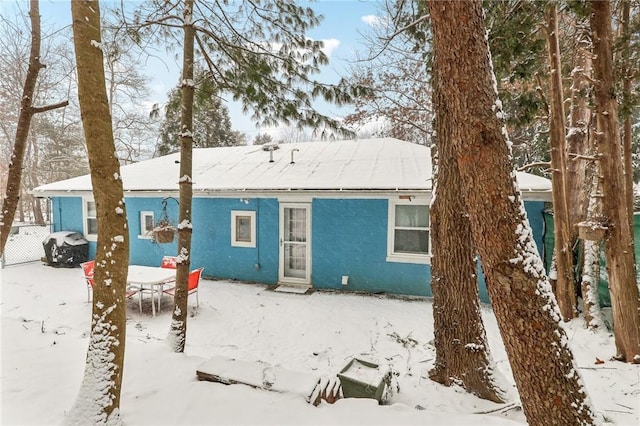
<point x="150" y="278"/>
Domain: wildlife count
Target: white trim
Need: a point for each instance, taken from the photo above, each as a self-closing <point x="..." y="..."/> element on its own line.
<point x="391" y="218"/>
<point x="283" y="195"/>
<point x="235" y="214"/>
<point x="306" y="281"/>
<point x="85" y="217"/>
<point x="295" y="198"/>
<point x="146" y="234"/>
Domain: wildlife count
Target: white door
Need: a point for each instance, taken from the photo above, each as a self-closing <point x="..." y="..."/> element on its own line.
<point x="295" y="243"/>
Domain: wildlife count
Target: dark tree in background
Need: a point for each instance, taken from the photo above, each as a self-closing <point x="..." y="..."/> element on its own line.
<point x="211" y="122"/>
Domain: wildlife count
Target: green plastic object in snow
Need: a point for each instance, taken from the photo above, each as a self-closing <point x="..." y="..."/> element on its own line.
<point x="363" y="379"/>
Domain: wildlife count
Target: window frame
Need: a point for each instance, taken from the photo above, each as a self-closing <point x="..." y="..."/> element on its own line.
<point x="392" y="256"/>
<point x="235" y="215"/>
<point x="86" y="217"/>
<point x="146" y="234"/>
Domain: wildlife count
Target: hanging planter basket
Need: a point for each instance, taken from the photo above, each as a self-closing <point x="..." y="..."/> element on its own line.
<point x="164" y="234"/>
<point x="164" y="231"/>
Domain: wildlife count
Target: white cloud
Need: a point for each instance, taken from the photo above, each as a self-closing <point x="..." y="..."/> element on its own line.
<point x="372" y="20"/>
<point x="330" y="45"/>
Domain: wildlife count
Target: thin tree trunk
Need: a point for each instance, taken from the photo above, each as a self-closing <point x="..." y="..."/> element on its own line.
<point x="528" y="317"/>
<point x="14" y="178"/>
<point x="178" y="329"/>
<point x="27" y="110"/>
<point x="577" y="137"/>
<point x="591" y="270"/>
<point x="619" y="244"/>
<point x="578" y="194"/>
<point x="565" y="283"/>
<point x="627" y="133"/>
<point x="462" y="352"/>
<point x="99" y="397"/>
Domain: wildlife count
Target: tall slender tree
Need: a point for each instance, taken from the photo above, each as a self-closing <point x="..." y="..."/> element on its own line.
<point x="98" y="401"/>
<point x="528" y="317"/>
<point x="178" y="328"/>
<point x="27" y="110"/>
<point x="565" y="284"/>
<point x="619" y="244"/>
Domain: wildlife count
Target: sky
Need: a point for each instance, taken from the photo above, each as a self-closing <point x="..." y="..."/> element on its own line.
<point x="341" y="29"/>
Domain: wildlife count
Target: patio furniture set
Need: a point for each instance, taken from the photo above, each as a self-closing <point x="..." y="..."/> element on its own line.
<point x="149" y="280"/>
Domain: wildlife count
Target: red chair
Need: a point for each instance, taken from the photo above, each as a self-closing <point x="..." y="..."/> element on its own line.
<point x="170" y="262"/>
<point x="192" y="287"/>
<point x="88" y="267"/>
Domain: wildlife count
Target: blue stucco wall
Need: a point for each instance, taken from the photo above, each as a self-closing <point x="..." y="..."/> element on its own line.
<point x="143" y="251"/>
<point x="211" y="243"/>
<point x="67" y="216"/>
<point x="349" y="237"/>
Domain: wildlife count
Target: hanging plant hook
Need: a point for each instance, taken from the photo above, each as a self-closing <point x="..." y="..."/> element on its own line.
<point x="164" y="230"/>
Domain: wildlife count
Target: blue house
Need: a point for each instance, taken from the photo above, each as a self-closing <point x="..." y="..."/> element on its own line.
<point x="348" y="215"/>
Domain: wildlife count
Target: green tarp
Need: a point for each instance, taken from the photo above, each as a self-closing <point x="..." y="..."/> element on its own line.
<point x="603" y="286"/>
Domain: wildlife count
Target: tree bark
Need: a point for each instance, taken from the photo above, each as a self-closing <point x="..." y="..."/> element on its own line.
<point x="527" y="314"/>
<point x="619" y="244"/>
<point x="591" y="270"/>
<point x="577" y="137"/>
<point x="462" y="351"/>
<point x="178" y="327"/>
<point x="565" y="283"/>
<point x="99" y="397"/>
<point x="627" y="131"/>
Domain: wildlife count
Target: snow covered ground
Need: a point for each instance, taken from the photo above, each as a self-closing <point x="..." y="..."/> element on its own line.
<point x="44" y="336"/>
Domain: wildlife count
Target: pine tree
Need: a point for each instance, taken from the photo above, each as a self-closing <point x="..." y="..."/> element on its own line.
<point x="211" y="122"/>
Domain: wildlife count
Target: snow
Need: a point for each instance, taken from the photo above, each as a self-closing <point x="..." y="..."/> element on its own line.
<point x="384" y="164"/>
<point x="45" y="323"/>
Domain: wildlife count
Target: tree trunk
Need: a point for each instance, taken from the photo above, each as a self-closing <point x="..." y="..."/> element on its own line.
<point x="14" y="178"/>
<point x="619" y="245"/>
<point x="565" y="283"/>
<point x="99" y="397"/>
<point x="462" y="352"/>
<point x="578" y="194"/>
<point x="627" y="139"/>
<point x="577" y="137"/>
<point x="178" y="328"/>
<point x="591" y="270"/>
<point x="528" y="317"/>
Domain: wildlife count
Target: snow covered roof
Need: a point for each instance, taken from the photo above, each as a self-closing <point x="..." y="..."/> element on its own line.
<point x="362" y="166"/>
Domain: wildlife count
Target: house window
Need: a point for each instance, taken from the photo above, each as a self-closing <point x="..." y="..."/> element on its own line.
<point x="90" y="220"/>
<point x="408" y="232"/>
<point x="146" y="224"/>
<point x="243" y="228"/>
